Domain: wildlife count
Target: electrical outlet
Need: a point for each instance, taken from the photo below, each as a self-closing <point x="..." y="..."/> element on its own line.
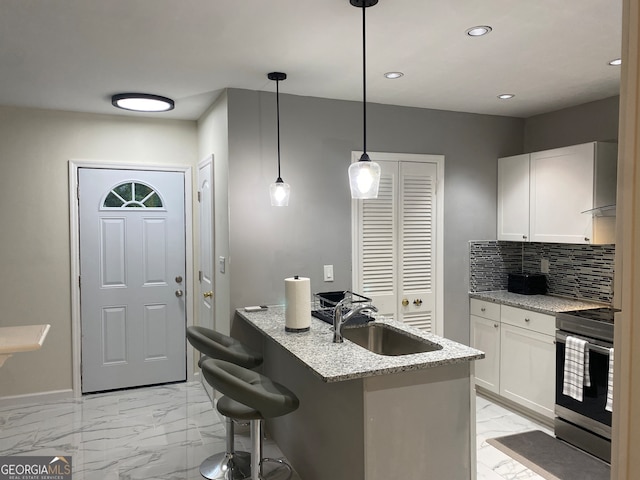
<point x="328" y="273"/>
<point x="544" y="265"/>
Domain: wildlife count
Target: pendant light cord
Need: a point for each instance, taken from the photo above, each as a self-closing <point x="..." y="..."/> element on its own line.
<point x="278" y="124"/>
<point x="364" y="82"/>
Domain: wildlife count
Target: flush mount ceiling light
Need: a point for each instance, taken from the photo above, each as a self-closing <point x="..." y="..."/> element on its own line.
<point x="478" y="31"/>
<point x="616" y="62"/>
<point x="506" y="96"/>
<point x="364" y="175"/>
<point x="142" y="102"/>
<point x="278" y="190"/>
<point x="392" y="75"/>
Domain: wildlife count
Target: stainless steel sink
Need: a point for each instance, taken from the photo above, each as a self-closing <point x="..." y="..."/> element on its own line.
<point x="382" y="339"/>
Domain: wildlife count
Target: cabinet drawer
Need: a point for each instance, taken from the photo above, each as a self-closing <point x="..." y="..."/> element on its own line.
<point x="481" y="308"/>
<point x="537" y="322"/>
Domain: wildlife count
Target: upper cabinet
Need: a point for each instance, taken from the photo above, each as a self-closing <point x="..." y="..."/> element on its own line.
<point x="549" y="196"/>
<point x="513" y="198"/>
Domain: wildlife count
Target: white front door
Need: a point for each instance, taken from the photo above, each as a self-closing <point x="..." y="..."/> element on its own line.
<point x="132" y="266"/>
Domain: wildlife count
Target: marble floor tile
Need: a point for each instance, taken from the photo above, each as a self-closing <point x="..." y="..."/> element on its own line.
<point x="164" y="433"/>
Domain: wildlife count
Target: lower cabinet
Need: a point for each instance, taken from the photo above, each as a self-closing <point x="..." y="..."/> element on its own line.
<point x="520" y="356"/>
<point x="527" y="373"/>
<point x="485" y="336"/>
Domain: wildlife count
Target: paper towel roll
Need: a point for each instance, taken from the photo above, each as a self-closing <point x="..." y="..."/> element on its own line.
<point x="297" y="311"/>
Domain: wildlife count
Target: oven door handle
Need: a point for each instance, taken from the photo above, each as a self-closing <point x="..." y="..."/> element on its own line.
<point x="561" y="337"/>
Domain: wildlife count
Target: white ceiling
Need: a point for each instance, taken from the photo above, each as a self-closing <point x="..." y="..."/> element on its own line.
<point x="74" y="54"/>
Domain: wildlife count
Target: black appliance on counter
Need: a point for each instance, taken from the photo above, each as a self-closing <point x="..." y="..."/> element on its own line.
<point x="527" y="283"/>
<point x="586" y="424"/>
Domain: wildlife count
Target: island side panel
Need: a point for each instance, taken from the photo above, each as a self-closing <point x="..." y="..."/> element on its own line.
<point x="323" y="439"/>
<point x="422" y="420"/>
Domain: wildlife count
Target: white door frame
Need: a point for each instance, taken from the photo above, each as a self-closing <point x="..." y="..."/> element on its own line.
<point x="410" y="157"/>
<point x="74" y="241"/>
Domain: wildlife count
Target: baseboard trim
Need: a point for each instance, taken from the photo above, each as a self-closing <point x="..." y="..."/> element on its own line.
<point x="40" y="397"/>
<point x="511" y="405"/>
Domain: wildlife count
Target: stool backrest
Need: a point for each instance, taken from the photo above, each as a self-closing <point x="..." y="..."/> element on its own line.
<point x="249" y="388"/>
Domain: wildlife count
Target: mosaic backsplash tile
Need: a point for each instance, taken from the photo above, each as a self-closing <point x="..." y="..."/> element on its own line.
<point x="576" y="271"/>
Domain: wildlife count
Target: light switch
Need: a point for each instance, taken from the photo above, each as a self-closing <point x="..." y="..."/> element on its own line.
<point x="328" y="273"/>
<point x="222" y="264"/>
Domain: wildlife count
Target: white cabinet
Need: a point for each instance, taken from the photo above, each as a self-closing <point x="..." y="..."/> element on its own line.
<point x="542" y="195"/>
<point x="519" y="346"/>
<point x="528" y="357"/>
<point x="485" y="336"/>
<point x="513" y="198"/>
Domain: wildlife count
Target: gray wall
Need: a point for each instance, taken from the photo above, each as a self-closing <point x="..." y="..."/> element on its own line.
<point x="594" y="121"/>
<point x="35" y="151"/>
<point x="269" y="244"/>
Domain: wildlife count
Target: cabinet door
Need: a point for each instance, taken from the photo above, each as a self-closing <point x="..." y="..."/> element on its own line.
<point x="513" y="198"/>
<point x="485" y="336"/>
<point x="527" y="368"/>
<point x="561" y="189"/>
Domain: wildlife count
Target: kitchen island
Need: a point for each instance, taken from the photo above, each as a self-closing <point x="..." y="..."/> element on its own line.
<point x="364" y="415"/>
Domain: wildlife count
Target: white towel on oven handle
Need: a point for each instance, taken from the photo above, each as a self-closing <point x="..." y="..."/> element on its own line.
<point x="609" y="406"/>
<point x="576" y="367"/>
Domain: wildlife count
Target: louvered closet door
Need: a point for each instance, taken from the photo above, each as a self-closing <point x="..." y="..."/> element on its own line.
<point x="377" y="249"/>
<point x="417" y="209"/>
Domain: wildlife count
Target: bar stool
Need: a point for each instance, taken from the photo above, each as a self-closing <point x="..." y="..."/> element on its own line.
<point x="251" y="396"/>
<point x="231" y="464"/>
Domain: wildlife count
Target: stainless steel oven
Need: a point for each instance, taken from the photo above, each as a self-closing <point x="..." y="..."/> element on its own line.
<point x="586" y="424"/>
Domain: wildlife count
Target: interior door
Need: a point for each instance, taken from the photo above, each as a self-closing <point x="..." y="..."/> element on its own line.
<point x="377" y="244"/>
<point x="417" y="255"/>
<point x="206" y="273"/>
<point x="132" y="264"/>
<point x="395" y="243"/>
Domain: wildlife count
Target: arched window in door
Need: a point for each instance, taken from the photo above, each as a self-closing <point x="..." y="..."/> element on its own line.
<point x="132" y="194"/>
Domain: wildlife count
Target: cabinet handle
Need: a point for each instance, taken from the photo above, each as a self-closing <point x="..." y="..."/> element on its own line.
<point x="586" y="239"/>
<point x="527" y="320"/>
<point x="483" y="309"/>
<point x="524" y="237"/>
<point x="495" y="325"/>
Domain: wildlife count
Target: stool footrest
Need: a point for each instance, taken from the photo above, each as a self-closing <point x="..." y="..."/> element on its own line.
<point x="282" y="472"/>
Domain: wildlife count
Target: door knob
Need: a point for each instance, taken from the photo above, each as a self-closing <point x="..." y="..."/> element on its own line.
<point x="179" y="293"/>
<point x="207" y="294"/>
<point x="405" y="302"/>
<point x="417" y="302"/>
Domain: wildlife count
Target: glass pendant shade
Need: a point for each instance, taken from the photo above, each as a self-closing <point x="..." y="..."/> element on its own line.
<point x="364" y="178"/>
<point x="279" y="192"/>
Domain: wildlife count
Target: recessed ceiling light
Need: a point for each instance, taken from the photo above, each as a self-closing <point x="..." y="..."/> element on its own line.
<point x="479" y="30"/>
<point x="506" y="96"/>
<point x="616" y="62"/>
<point x="394" y="75"/>
<point x="142" y="102"/>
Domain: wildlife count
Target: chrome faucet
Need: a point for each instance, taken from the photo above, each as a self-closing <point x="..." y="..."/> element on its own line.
<point x="339" y="319"/>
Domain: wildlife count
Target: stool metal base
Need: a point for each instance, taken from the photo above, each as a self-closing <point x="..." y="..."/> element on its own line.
<point x="225" y="466"/>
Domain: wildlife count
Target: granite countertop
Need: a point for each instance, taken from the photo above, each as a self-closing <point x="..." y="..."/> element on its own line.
<point x="335" y="362"/>
<point x="548" y="304"/>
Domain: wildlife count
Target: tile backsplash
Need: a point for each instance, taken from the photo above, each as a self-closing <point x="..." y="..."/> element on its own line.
<point x="576" y="271"/>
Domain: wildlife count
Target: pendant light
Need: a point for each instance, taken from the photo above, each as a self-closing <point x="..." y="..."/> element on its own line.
<point x="278" y="190"/>
<point x="364" y="175"/>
